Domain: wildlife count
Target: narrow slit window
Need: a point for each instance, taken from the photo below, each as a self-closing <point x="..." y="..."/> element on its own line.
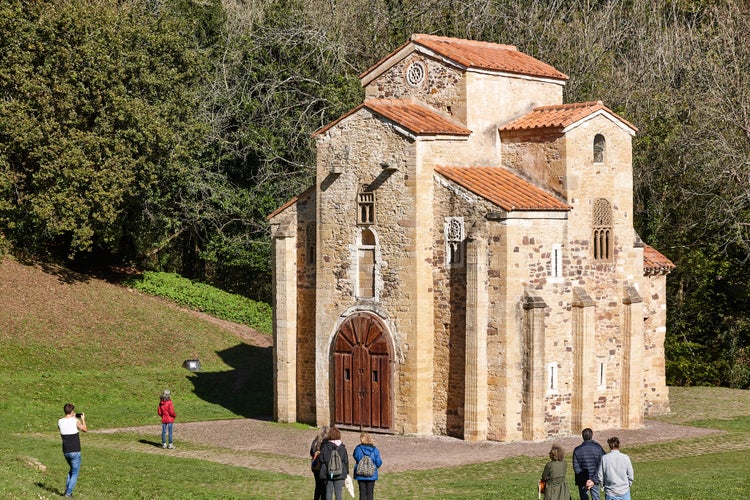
<point x="374" y="375"/>
<point x="556" y="261"/>
<point x="552" y="377"/>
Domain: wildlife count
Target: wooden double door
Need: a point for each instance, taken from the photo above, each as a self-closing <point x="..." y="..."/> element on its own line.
<point x="362" y="373"/>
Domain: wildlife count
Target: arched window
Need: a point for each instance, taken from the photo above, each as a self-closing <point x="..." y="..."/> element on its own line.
<point x="600" y="145"/>
<point x="602" y="230"/>
<point x="366" y="264"/>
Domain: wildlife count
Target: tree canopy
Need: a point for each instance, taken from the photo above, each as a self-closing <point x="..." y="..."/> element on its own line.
<point x="161" y="133"/>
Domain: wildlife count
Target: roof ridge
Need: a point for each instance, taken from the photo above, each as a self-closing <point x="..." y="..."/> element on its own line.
<point x="415" y="37"/>
<point x="571" y="105"/>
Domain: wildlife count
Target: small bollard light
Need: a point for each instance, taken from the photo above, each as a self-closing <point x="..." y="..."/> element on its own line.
<point x="192" y="364"/>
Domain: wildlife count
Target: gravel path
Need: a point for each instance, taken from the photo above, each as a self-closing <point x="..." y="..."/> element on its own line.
<point x="267" y="445"/>
<point x="261" y="444"/>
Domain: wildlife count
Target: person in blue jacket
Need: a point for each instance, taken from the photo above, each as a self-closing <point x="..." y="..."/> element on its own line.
<point x="366" y="483"/>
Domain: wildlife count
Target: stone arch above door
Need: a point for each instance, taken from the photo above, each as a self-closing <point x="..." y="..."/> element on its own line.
<point x="362" y="378"/>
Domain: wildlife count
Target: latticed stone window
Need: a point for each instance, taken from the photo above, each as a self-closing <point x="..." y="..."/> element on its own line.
<point x="310" y="244"/>
<point x="366" y="205"/>
<point x="602" y="230"/>
<point x="415" y="74"/>
<point x="366" y="264"/>
<point x="454" y="241"/>
<point x="600" y="145"/>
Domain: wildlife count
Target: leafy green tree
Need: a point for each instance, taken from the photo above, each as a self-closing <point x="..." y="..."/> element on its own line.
<point x="96" y="125"/>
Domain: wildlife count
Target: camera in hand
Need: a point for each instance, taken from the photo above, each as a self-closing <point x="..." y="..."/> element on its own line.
<point x="78" y="415"/>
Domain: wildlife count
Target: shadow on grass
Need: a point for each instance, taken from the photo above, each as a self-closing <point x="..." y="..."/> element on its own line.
<point x="49" y="489"/>
<point x="247" y="390"/>
<point x="155" y="444"/>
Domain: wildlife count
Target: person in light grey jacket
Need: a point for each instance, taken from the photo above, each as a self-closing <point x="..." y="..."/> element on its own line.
<point x="615" y="472"/>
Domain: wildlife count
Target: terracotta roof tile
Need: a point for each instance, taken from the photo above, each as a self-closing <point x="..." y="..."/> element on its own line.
<point x="560" y="116"/>
<point x="414" y="117"/>
<point x="479" y="55"/>
<point x="503" y="188"/>
<point x="486" y="55"/>
<point x="654" y="262"/>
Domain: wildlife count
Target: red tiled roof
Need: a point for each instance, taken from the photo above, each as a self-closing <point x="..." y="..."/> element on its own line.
<point x="560" y="116"/>
<point x="480" y="55"/>
<point x="654" y="262"/>
<point x="414" y="117"/>
<point x="503" y="188"/>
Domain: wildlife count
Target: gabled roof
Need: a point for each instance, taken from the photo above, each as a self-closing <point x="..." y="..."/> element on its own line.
<point x="563" y="117"/>
<point x="291" y="202"/>
<point x="503" y="188"/>
<point x="467" y="54"/>
<point x="654" y="262"/>
<point x="417" y="119"/>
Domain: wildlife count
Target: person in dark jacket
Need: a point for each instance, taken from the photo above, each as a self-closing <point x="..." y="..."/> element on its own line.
<point x="333" y="444"/>
<point x="315" y="462"/>
<point x="586" y="459"/>
<point x="366" y="483"/>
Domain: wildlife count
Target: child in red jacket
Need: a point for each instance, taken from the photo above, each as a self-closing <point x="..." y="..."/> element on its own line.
<point x="166" y="412"/>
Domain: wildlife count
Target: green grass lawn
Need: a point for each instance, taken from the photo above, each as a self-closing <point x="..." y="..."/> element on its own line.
<point x="112" y="351"/>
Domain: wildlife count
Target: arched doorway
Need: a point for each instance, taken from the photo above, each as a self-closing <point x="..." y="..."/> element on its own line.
<point x="362" y="373"/>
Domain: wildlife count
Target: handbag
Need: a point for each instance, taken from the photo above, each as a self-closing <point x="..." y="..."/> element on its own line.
<point x="315" y="464"/>
<point x="542" y="486"/>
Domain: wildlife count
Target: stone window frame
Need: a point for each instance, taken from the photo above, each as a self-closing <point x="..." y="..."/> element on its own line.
<point x="556" y="263"/>
<point x="310" y="243"/>
<point x="370" y="247"/>
<point x="600" y="148"/>
<point x="365" y="205"/>
<point x="602" y="244"/>
<point x="454" y="231"/>
<point x="553" y="377"/>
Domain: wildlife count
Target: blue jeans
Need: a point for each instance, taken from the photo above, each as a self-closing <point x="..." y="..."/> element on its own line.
<point x="594" y="491"/>
<point x="74" y="460"/>
<point x="626" y="496"/>
<point x="164" y="428"/>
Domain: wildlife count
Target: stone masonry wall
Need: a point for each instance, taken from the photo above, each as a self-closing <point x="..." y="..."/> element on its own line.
<point x="364" y="141"/>
<point x="306" y="220"/>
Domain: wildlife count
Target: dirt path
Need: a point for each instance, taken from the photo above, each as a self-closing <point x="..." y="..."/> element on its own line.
<point x="267" y="445"/>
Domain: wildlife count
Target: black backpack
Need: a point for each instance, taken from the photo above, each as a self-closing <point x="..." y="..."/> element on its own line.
<point x="334" y="465"/>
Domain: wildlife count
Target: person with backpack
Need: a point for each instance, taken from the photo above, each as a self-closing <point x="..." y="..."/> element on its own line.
<point x="335" y="464"/>
<point x="368" y="460"/>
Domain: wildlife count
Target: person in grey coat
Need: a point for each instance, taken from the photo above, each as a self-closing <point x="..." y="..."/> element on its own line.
<point x="615" y="472"/>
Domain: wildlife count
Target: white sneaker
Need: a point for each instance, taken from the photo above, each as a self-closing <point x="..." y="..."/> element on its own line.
<point x="170" y="446"/>
<point x="164" y="445"/>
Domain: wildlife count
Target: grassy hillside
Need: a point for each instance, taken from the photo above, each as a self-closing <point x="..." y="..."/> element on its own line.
<point x="110" y="350"/>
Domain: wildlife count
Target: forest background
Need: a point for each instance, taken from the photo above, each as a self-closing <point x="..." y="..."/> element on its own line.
<point x="159" y="134"/>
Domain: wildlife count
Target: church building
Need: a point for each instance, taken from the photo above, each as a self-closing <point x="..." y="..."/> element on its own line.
<point x="466" y="262"/>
